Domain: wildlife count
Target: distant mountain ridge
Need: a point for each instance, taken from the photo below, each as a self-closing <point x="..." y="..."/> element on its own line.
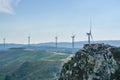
<point x="80" y="44"/>
<point x="61" y="44"/>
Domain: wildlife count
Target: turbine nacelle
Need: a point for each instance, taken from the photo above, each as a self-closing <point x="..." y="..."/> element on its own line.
<point x="88" y="34"/>
<point x="73" y="36"/>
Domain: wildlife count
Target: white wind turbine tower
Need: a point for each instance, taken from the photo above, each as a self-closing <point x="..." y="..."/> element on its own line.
<point x="29" y="41"/>
<point x="4" y="42"/>
<point x="56" y="41"/>
<point x="89" y="34"/>
<point x="73" y="39"/>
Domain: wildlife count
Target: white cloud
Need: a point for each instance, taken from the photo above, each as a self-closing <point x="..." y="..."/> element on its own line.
<point x="6" y="6"/>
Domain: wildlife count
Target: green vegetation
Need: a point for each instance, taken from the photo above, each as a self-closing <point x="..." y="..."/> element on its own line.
<point x="28" y="64"/>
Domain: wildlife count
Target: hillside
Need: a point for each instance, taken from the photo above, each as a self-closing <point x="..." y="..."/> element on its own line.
<point x="29" y="64"/>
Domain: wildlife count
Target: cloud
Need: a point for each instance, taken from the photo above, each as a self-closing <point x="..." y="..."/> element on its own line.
<point x="6" y="6"/>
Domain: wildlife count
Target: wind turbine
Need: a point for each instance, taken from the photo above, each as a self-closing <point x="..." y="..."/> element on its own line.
<point x="73" y="39"/>
<point x="56" y="41"/>
<point x="4" y="42"/>
<point x="89" y="34"/>
<point x="29" y="41"/>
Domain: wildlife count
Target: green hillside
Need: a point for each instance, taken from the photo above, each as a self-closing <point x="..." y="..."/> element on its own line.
<point x="28" y="64"/>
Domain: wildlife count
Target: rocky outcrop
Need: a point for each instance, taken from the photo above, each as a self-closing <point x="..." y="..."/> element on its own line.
<point x="93" y="62"/>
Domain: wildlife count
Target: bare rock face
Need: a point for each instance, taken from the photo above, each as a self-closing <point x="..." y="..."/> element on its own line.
<point x="93" y="62"/>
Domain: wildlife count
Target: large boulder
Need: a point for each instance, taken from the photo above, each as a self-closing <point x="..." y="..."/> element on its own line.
<point x="93" y="62"/>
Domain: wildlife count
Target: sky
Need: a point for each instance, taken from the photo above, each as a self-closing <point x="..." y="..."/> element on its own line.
<point x="45" y="19"/>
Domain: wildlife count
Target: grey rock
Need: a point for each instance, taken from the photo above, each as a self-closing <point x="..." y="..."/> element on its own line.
<point x="93" y="62"/>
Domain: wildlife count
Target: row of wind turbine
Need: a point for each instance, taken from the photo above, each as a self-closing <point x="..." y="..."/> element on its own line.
<point x="89" y="34"/>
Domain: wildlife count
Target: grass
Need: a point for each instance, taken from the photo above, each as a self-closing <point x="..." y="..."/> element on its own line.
<point x="21" y="64"/>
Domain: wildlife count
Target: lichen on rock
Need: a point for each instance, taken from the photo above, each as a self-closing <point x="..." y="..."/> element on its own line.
<point x="92" y="62"/>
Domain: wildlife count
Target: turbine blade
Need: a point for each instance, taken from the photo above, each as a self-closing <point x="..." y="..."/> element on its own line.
<point x="90" y="25"/>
